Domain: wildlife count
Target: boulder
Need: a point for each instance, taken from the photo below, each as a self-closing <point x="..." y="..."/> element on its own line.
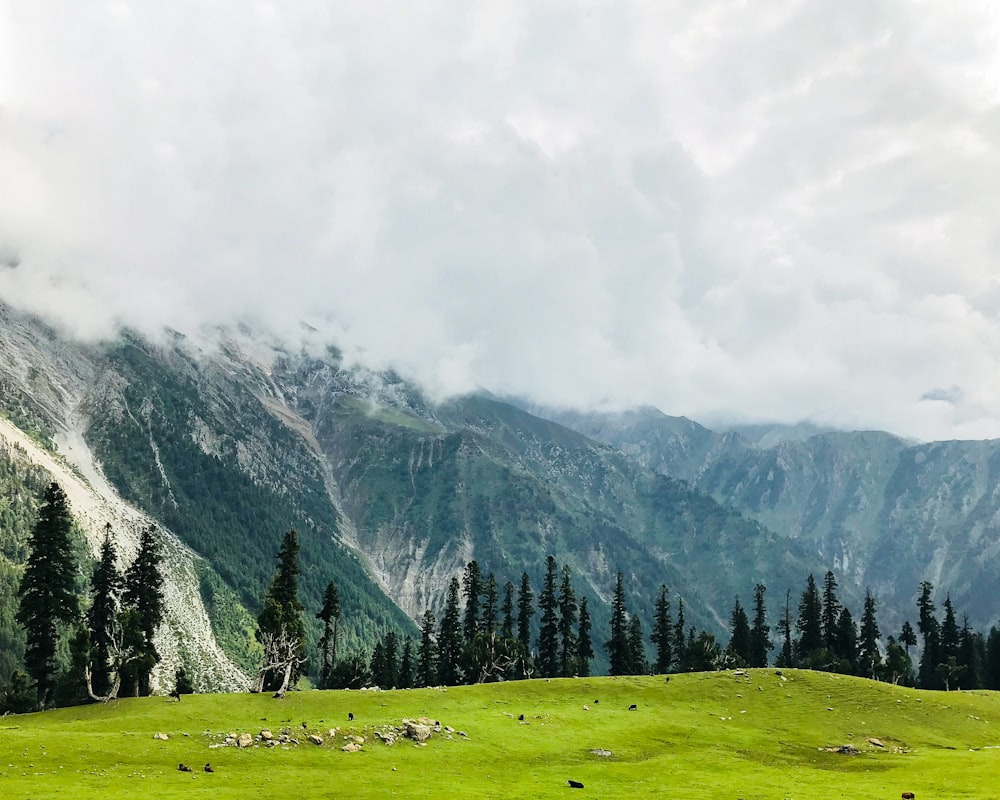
<point x="266" y="735"/>
<point x="351" y="747"/>
<point x="416" y="731"/>
<point x="315" y="739"/>
<point x="245" y="740"/>
<point x="161" y="736"/>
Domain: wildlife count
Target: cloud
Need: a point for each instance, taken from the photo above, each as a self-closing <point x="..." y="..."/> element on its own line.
<point x="746" y="211"/>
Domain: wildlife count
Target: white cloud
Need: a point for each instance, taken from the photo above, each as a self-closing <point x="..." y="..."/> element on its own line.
<point x="768" y="210"/>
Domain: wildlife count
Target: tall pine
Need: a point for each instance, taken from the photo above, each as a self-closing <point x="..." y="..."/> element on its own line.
<point x="568" y="610"/>
<point x="617" y="647"/>
<point x="47" y="593"/>
<point x="106" y="586"/>
<point x="760" y="631"/>
<point x="548" y="631"/>
<point x="329" y="615"/>
<point x="662" y="634"/>
<point x="281" y="628"/>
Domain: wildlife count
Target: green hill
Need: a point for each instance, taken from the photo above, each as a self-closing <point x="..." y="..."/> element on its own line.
<point x="709" y="735"/>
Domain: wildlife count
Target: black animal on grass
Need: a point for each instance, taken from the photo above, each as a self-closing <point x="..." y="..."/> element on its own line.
<point x="350" y="716"/>
<point x="184" y="768"/>
<point x="175" y="695"/>
<point x="208" y="768"/>
<point x="574" y="784"/>
<point x="633" y="707"/>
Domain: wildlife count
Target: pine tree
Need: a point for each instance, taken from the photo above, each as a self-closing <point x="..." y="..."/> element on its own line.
<point x="907" y="636"/>
<point x="898" y="664"/>
<point x="786" y="658"/>
<point x="662" y="634"/>
<point x="525" y="611"/>
<point x="869" y="655"/>
<point x="472" y="590"/>
<point x="638" y="665"/>
<point x="760" y="632"/>
<point x="405" y="680"/>
<point x="949" y="631"/>
<point x="930" y="629"/>
<point x="390" y="646"/>
<point x="507" y="611"/>
<point x="329" y="615"/>
<point x="680" y="644"/>
<point x="739" y="643"/>
<point x="106" y="586"/>
<point x="617" y="647"/>
<point x="548" y="632"/>
<point x="831" y="615"/>
<point x="971" y="656"/>
<point x="491" y="598"/>
<point x="846" y="644"/>
<point x="449" y="640"/>
<point x="281" y="628"/>
<point x="568" y="610"/>
<point x="47" y="592"/>
<point x="809" y="647"/>
<point x="991" y="678"/>
<point x="584" y="646"/>
<point x="427" y="657"/>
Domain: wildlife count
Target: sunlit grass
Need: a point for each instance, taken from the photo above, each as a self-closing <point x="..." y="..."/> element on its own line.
<point x="711" y="735"/>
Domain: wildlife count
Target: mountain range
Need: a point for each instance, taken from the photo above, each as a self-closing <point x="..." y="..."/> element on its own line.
<point x="226" y="443"/>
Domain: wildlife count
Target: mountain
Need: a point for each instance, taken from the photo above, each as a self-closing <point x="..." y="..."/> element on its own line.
<point x="883" y="512"/>
<point x="227" y="444"/>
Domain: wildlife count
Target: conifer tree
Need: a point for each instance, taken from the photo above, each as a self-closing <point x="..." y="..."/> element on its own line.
<point x="898" y="664"/>
<point x="525" y="611"/>
<point x="786" y="658"/>
<point x="281" y="628"/>
<point x="390" y="646"/>
<point x="548" y="632"/>
<point x="47" y="596"/>
<point x="507" y="611"/>
<point x="143" y="595"/>
<point x="584" y="646"/>
<point x="329" y="615"/>
<point x="739" y="643"/>
<point x="949" y="631"/>
<point x="930" y="629"/>
<point x="568" y="610"/>
<point x="971" y="656"/>
<point x="617" y="647"/>
<point x="472" y="590"/>
<point x="405" y="680"/>
<point x="831" y="614"/>
<point x="449" y="640"/>
<point x="809" y="625"/>
<point x="846" y="644"/>
<point x="991" y="677"/>
<point x="638" y="665"/>
<point x="869" y="655"/>
<point x="907" y="636"/>
<point x="491" y="599"/>
<point x="106" y="586"/>
<point x="760" y="632"/>
<point x="662" y="634"/>
<point x="427" y="657"/>
<point x="680" y="643"/>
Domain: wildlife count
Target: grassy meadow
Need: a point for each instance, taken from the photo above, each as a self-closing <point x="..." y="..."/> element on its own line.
<point x="711" y="735"/>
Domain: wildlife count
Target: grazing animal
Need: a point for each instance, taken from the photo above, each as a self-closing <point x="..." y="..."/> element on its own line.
<point x="574" y="784"/>
<point x="304" y="726"/>
<point x="208" y="768"/>
<point x="184" y="768"/>
<point x="521" y="718"/>
<point x="586" y="708"/>
<point x="278" y="695"/>
<point x="907" y="795"/>
<point x="350" y="716"/>
<point x="596" y="701"/>
<point x="633" y="707"/>
<point x="176" y="695"/>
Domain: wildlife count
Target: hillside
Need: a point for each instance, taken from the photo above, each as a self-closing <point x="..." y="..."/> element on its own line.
<point x="885" y="513"/>
<point x="710" y="735"/>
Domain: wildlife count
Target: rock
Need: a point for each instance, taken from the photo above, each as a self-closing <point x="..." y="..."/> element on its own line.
<point x="874" y="741"/>
<point x="387" y="737"/>
<point x="245" y="740"/>
<point x="161" y="736"/>
<point x="600" y="751"/>
<point x="266" y="735"/>
<point x="848" y="749"/>
<point x="416" y="731"/>
<point x="351" y="747"/>
<point x="358" y="739"/>
<point x="315" y="739"/>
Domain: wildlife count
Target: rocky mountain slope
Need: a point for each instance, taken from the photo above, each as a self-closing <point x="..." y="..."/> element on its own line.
<point x="883" y="512"/>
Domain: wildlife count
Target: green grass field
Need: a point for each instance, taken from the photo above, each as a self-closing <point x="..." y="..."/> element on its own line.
<point x="711" y="735"/>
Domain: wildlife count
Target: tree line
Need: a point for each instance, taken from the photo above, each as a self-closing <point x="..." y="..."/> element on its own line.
<point x="92" y="650"/>
<point x="97" y="649"/>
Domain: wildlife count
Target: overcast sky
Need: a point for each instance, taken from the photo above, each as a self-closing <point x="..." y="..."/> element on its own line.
<point x="767" y="210"/>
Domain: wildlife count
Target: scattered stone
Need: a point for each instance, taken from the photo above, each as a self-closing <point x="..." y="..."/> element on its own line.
<point x="351" y="747"/>
<point x="416" y="731"/>
<point x="266" y="735"/>
<point x="600" y="751"/>
<point x="161" y="736"/>
<point x="245" y="740"/>
<point x="874" y="741"/>
<point x="315" y="739"/>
